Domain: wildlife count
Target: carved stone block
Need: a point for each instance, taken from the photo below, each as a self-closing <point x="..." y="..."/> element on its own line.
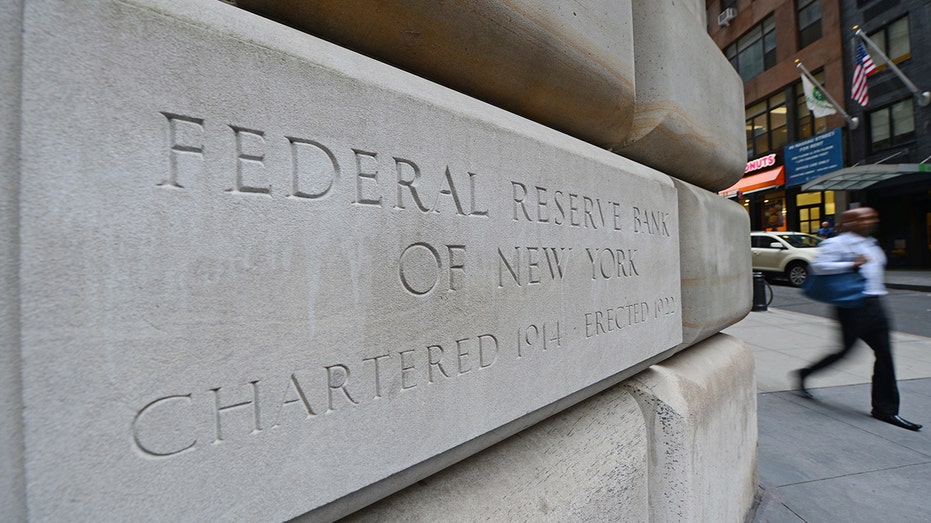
<point x="259" y="273"/>
<point x="700" y="410"/>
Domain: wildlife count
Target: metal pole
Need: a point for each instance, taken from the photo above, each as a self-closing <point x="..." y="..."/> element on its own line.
<point x="853" y="122"/>
<point x="924" y="98"/>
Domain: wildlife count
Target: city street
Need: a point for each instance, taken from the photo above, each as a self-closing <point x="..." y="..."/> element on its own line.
<point x="910" y="311"/>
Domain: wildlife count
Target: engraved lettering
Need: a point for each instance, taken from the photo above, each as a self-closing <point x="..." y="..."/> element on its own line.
<point x="513" y="268"/>
<point x="607" y="269"/>
<point x="573" y="209"/>
<point x="553" y="260"/>
<point x="528" y="340"/>
<point x="377" y="374"/>
<point x="250" y="161"/>
<point x="560" y="218"/>
<point x="411" y="182"/>
<point x="473" y="211"/>
<point x="337" y="378"/>
<point x="528" y="337"/>
<point x="589" y="324"/>
<point x="436" y="361"/>
<point x="219" y="410"/>
<point x="583" y="211"/>
<point x="587" y="207"/>
<point x="625" y="263"/>
<point x="419" y="268"/>
<point x="456" y="255"/>
<point x="599" y="323"/>
<point x="301" y="398"/>
<point x="184" y="399"/>
<point x="664" y="306"/>
<point x="533" y="265"/>
<point x="449" y="190"/>
<point x="314" y="170"/>
<point x="609" y="263"/>
<point x="463" y="356"/>
<point x="406" y="366"/>
<point x="185" y="149"/>
<point x="543" y="214"/>
<point x="557" y="260"/>
<point x="615" y="318"/>
<point x="481" y="351"/>
<point x="366" y="169"/>
<point x="420" y="264"/>
<point x="651" y="222"/>
<point x="519" y="200"/>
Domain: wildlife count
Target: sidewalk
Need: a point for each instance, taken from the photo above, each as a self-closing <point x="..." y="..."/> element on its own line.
<point x="909" y="279"/>
<point x="827" y="460"/>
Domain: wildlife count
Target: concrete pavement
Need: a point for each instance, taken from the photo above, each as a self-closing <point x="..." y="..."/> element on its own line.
<point x="827" y="460"/>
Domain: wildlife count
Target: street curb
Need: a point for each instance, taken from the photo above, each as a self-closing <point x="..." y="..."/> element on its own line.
<point x="908" y="287"/>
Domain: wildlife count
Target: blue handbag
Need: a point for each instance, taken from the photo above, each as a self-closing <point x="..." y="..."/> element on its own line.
<point x="842" y="290"/>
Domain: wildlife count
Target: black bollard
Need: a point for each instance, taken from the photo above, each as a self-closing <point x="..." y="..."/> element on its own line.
<point x="759" y="292"/>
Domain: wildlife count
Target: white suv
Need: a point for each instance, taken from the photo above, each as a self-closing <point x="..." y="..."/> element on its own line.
<point x="787" y="253"/>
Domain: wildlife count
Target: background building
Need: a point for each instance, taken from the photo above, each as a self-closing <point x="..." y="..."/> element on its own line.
<point x="895" y="126"/>
<point x="763" y="40"/>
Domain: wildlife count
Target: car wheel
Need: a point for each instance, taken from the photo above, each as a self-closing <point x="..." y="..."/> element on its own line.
<point x="797" y="273"/>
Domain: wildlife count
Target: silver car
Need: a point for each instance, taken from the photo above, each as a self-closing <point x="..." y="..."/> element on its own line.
<point x="787" y="254"/>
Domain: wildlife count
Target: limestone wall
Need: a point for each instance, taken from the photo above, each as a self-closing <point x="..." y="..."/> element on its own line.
<point x="253" y="274"/>
<point x="662" y="446"/>
<point x="12" y="479"/>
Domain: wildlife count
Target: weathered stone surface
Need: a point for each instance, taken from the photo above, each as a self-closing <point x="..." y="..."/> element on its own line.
<point x="700" y="410"/>
<point x="565" y="64"/>
<point x="698" y="10"/>
<point x="259" y="272"/>
<point x="717" y="280"/>
<point x="12" y="479"/>
<point x="685" y="94"/>
<point x="689" y="120"/>
<point x="588" y="463"/>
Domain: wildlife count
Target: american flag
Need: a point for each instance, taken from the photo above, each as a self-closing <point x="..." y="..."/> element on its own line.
<point x="863" y="69"/>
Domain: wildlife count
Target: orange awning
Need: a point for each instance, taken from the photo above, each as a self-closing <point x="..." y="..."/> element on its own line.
<point x="756" y="182"/>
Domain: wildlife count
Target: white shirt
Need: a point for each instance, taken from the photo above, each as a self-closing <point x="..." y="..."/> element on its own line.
<point x="837" y="254"/>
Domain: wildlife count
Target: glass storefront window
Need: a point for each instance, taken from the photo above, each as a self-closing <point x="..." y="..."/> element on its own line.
<point x="810" y="212"/>
<point x="808" y="198"/>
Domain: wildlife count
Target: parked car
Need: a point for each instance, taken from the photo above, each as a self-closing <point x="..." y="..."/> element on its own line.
<point x="787" y="254"/>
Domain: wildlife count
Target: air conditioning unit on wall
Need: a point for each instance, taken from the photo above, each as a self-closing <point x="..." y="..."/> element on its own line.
<point x="724" y="19"/>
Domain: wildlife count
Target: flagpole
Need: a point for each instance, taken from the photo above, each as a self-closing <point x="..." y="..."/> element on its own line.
<point x="853" y="122"/>
<point x="924" y="98"/>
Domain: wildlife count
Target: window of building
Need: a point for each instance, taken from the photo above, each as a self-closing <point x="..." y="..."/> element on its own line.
<point x="809" y="21"/>
<point x="892" y="125"/>
<point x="806" y="125"/>
<point x="766" y="126"/>
<point x="755" y="51"/>
<point x="893" y="40"/>
<point x="813" y="209"/>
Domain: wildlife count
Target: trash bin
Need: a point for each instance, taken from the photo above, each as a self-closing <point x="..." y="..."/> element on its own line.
<point x="759" y="292"/>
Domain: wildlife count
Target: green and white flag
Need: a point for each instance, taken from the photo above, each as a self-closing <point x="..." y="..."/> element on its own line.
<point x="815" y="99"/>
